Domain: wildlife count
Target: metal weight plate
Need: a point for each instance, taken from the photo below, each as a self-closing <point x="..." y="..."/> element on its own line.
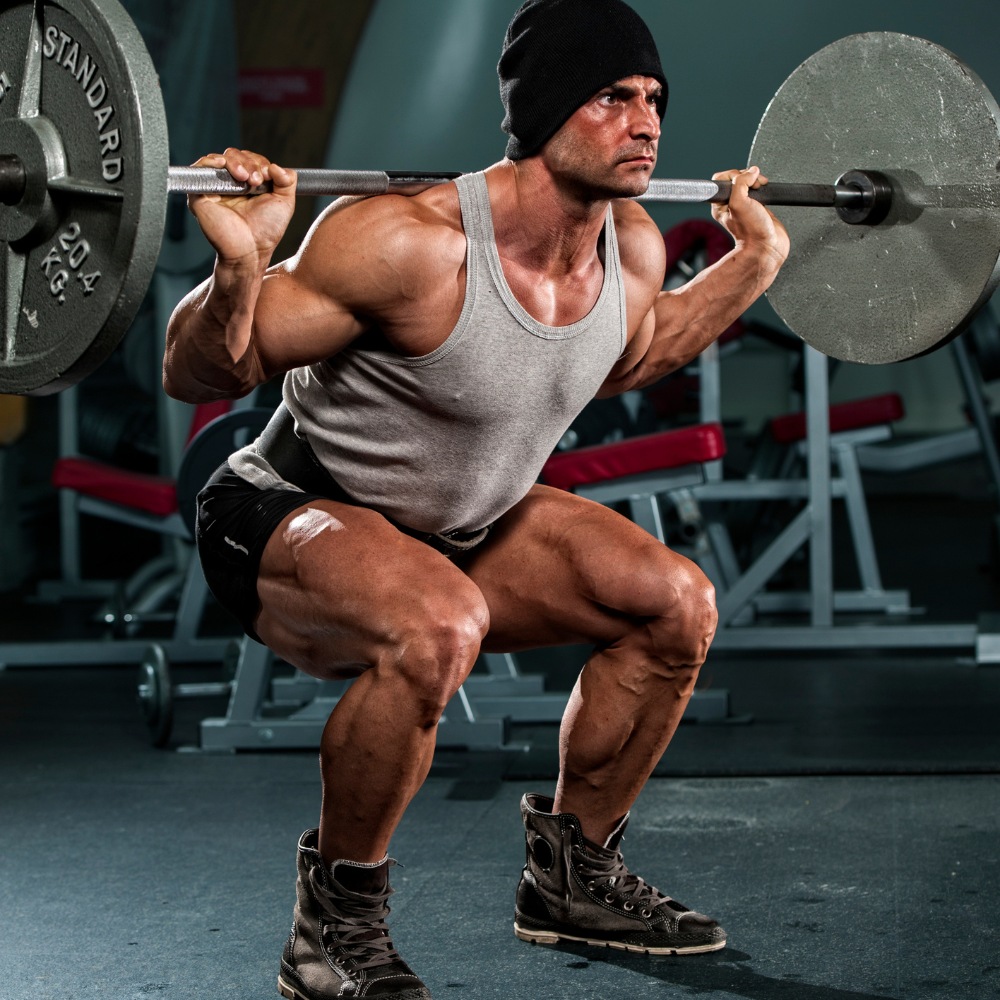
<point x="80" y="105"/>
<point x="912" y="110"/>
<point x="154" y="692"/>
<point x="211" y="446"/>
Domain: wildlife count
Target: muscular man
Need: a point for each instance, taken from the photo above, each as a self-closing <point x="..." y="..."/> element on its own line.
<point x="388" y="525"/>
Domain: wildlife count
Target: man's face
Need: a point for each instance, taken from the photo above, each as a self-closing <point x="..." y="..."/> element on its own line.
<point x="607" y="147"/>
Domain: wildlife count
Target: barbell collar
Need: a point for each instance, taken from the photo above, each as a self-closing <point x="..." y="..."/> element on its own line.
<point x="876" y="191"/>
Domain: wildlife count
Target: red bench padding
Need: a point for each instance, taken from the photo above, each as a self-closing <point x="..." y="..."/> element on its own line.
<point x="843" y="417"/>
<point x="136" y="490"/>
<point x="651" y="452"/>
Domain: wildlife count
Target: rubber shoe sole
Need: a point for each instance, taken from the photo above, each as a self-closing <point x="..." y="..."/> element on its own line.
<point x="554" y="937"/>
<point x="293" y="994"/>
<point x="287" y="991"/>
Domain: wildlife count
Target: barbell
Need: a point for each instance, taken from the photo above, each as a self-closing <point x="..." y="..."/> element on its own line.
<point x="892" y="132"/>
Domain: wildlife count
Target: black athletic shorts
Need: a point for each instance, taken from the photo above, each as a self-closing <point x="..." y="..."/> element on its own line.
<point x="235" y="521"/>
<point x="236" y="518"/>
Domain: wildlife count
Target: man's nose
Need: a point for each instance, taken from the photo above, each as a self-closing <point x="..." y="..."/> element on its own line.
<point x="645" y="121"/>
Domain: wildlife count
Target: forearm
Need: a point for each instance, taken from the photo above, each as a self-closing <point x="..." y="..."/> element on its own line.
<point x="693" y="316"/>
<point x="210" y="351"/>
<point x="690" y="318"/>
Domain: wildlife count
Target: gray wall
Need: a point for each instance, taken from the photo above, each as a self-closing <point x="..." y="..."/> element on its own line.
<point x="423" y="95"/>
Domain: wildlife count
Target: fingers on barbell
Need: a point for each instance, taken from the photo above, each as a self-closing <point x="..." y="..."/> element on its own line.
<point x="283" y="179"/>
<point x="252" y="169"/>
<point x="750" y="177"/>
<point x="246" y="166"/>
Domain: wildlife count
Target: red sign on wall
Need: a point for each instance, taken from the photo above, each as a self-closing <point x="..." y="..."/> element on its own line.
<point x="282" y="88"/>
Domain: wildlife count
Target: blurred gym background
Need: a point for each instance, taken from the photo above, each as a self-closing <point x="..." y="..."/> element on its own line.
<point x="397" y="84"/>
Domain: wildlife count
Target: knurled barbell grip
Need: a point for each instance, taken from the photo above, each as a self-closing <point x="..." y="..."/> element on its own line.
<point x="774" y="193"/>
<point x="311" y="182"/>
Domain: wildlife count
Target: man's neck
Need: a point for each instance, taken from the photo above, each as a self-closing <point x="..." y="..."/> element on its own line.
<point x="540" y="224"/>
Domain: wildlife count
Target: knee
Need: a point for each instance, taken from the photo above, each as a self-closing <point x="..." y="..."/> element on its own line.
<point x="683" y="630"/>
<point x="433" y="653"/>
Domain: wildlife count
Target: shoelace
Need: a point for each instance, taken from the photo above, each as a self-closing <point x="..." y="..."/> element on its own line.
<point x="358" y="924"/>
<point x="610" y="870"/>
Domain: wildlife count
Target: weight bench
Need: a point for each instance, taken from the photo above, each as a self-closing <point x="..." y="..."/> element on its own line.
<point x="642" y="471"/>
<point x="775" y="475"/>
<point x="636" y="471"/>
<point x="141" y="500"/>
<point x="853" y="425"/>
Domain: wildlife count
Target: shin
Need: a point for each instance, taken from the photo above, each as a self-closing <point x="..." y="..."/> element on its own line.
<point x="627" y="704"/>
<point x="378" y="744"/>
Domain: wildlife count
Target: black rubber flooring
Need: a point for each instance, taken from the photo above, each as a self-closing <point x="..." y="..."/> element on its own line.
<point x="127" y="871"/>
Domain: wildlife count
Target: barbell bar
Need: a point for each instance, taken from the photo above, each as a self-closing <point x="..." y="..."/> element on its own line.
<point x="318" y="182"/>
<point x="910" y="133"/>
<point x="856" y="198"/>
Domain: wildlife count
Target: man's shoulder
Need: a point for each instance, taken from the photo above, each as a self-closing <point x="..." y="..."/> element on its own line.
<point x="640" y="242"/>
<point x="393" y="221"/>
<point x="373" y="255"/>
<point x="425" y="225"/>
<point x="388" y="240"/>
<point x="633" y="221"/>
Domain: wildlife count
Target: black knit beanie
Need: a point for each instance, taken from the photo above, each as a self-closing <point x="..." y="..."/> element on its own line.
<point x="559" y="53"/>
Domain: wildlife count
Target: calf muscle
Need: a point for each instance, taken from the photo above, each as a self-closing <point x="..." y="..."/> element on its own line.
<point x="563" y="570"/>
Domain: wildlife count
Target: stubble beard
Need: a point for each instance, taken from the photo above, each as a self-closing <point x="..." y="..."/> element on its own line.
<point x="591" y="178"/>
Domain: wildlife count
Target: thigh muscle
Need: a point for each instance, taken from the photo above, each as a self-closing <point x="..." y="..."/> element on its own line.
<point x="561" y="569"/>
<point x="338" y="585"/>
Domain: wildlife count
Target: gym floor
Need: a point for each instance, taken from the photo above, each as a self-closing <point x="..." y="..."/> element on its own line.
<point x="844" y="826"/>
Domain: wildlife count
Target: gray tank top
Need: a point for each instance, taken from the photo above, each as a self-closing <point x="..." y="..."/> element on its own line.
<point x="451" y="440"/>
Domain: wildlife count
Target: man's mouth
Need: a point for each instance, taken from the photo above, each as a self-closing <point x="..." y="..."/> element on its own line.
<point x="639" y="157"/>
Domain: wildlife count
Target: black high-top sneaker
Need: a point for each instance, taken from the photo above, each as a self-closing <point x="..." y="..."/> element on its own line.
<point x="573" y="890"/>
<point x="340" y="945"/>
